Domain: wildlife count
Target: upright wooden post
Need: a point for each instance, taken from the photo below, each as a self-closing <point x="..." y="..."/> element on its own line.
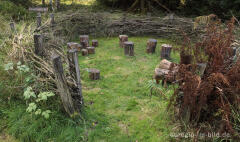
<point x="12" y="26"/>
<point x="166" y="51"/>
<point x="74" y="70"/>
<point x="39" y="21"/>
<point x="151" y="45"/>
<point x="51" y="5"/>
<point x="52" y="21"/>
<point x="129" y="48"/>
<point x="38" y="44"/>
<point x="91" y="50"/>
<point x="62" y="86"/>
<point x="57" y="2"/>
<point x="122" y="39"/>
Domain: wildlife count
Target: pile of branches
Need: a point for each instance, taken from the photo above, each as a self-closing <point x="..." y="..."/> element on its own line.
<point x="213" y="97"/>
<point x="72" y="24"/>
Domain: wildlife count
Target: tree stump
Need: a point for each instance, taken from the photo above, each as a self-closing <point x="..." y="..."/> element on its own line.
<point x="129" y="48"/>
<point x="74" y="45"/>
<point x="39" y="21"/>
<point x="91" y="50"/>
<point x="84" y="41"/>
<point x="166" y="51"/>
<point x="38" y="44"/>
<point x="94" y="43"/>
<point x="122" y="39"/>
<point x="94" y="74"/>
<point x="151" y="45"/>
<point x="84" y="52"/>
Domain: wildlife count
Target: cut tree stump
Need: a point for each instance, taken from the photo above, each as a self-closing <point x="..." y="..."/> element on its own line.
<point x="38" y="44"/>
<point x="129" y="48"/>
<point x="151" y="45"/>
<point x="91" y="50"/>
<point x="94" y="43"/>
<point x="84" y="41"/>
<point x="74" y="45"/>
<point x="94" y="74"/>
<point x="84" y="52"/>
<point x="166" y="51"/>
<point x="74" y="70"/>
<point x="122" y="39"/>
<point x="62" y="86"/>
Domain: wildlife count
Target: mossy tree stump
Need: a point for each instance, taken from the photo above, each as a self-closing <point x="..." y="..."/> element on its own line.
<point x="84" y="41"/>
<point x="122" y="39"/>
<point x="129" y="48"/>
<point x="166" y="51"/>
<point x="94" y="74"/>
<point x="94" y="43"/>
<point x="151" y="46"/>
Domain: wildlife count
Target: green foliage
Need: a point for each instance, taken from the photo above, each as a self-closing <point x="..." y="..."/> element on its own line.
<point x="12" y="11"/>
<point x="42" y="97"/>
<point x="118" y="107"/>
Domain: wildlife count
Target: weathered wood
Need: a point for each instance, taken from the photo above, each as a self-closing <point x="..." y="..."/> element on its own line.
<point x="160" y="74"/>
<point x="151" y="45"/>
<point x="91" y="50"/>
<point x="75" y="73"/>
<point x="74" y="45"/>
<point x="165" y="64"/>
<point x="166" y="51"/>
<point x="94" y="74"/>
<point x="62" y="86"/>
<point x="38" y="44"/>
<point x="84" y="52"/>
<point x="51" y="5"/>
<point x="84" y="41"/>
<point x="129" y="48"/>
<point x="38" y="9"/>
<point x="52" y="20"/>
<point x="201" y="68"/>
<point x="122" y="39"/>
<point x="12" y="26"/>
<point x="57" y="2"/>
<point x="39" y="21"/>
<point x="94" y="43"/>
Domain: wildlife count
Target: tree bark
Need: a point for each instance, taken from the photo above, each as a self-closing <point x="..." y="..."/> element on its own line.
<point x="129" y="48"/>
<point x="151" y="46"/>
<point x="38" y="44"/>
<point x="94" y="74"/>
<point x="166" y="51"/>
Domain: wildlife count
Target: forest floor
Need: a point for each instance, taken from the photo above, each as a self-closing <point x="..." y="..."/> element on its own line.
<point x="118" y="106"/>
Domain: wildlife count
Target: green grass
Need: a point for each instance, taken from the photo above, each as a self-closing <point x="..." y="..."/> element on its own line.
<point x="118" y="106"/>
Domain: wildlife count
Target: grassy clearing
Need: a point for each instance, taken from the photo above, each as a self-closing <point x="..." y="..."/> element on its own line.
<point x="118" y="106"/>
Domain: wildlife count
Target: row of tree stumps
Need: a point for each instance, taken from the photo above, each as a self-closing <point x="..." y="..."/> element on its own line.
<point x="151" y="47"/>
<point x="85" y="48"/>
